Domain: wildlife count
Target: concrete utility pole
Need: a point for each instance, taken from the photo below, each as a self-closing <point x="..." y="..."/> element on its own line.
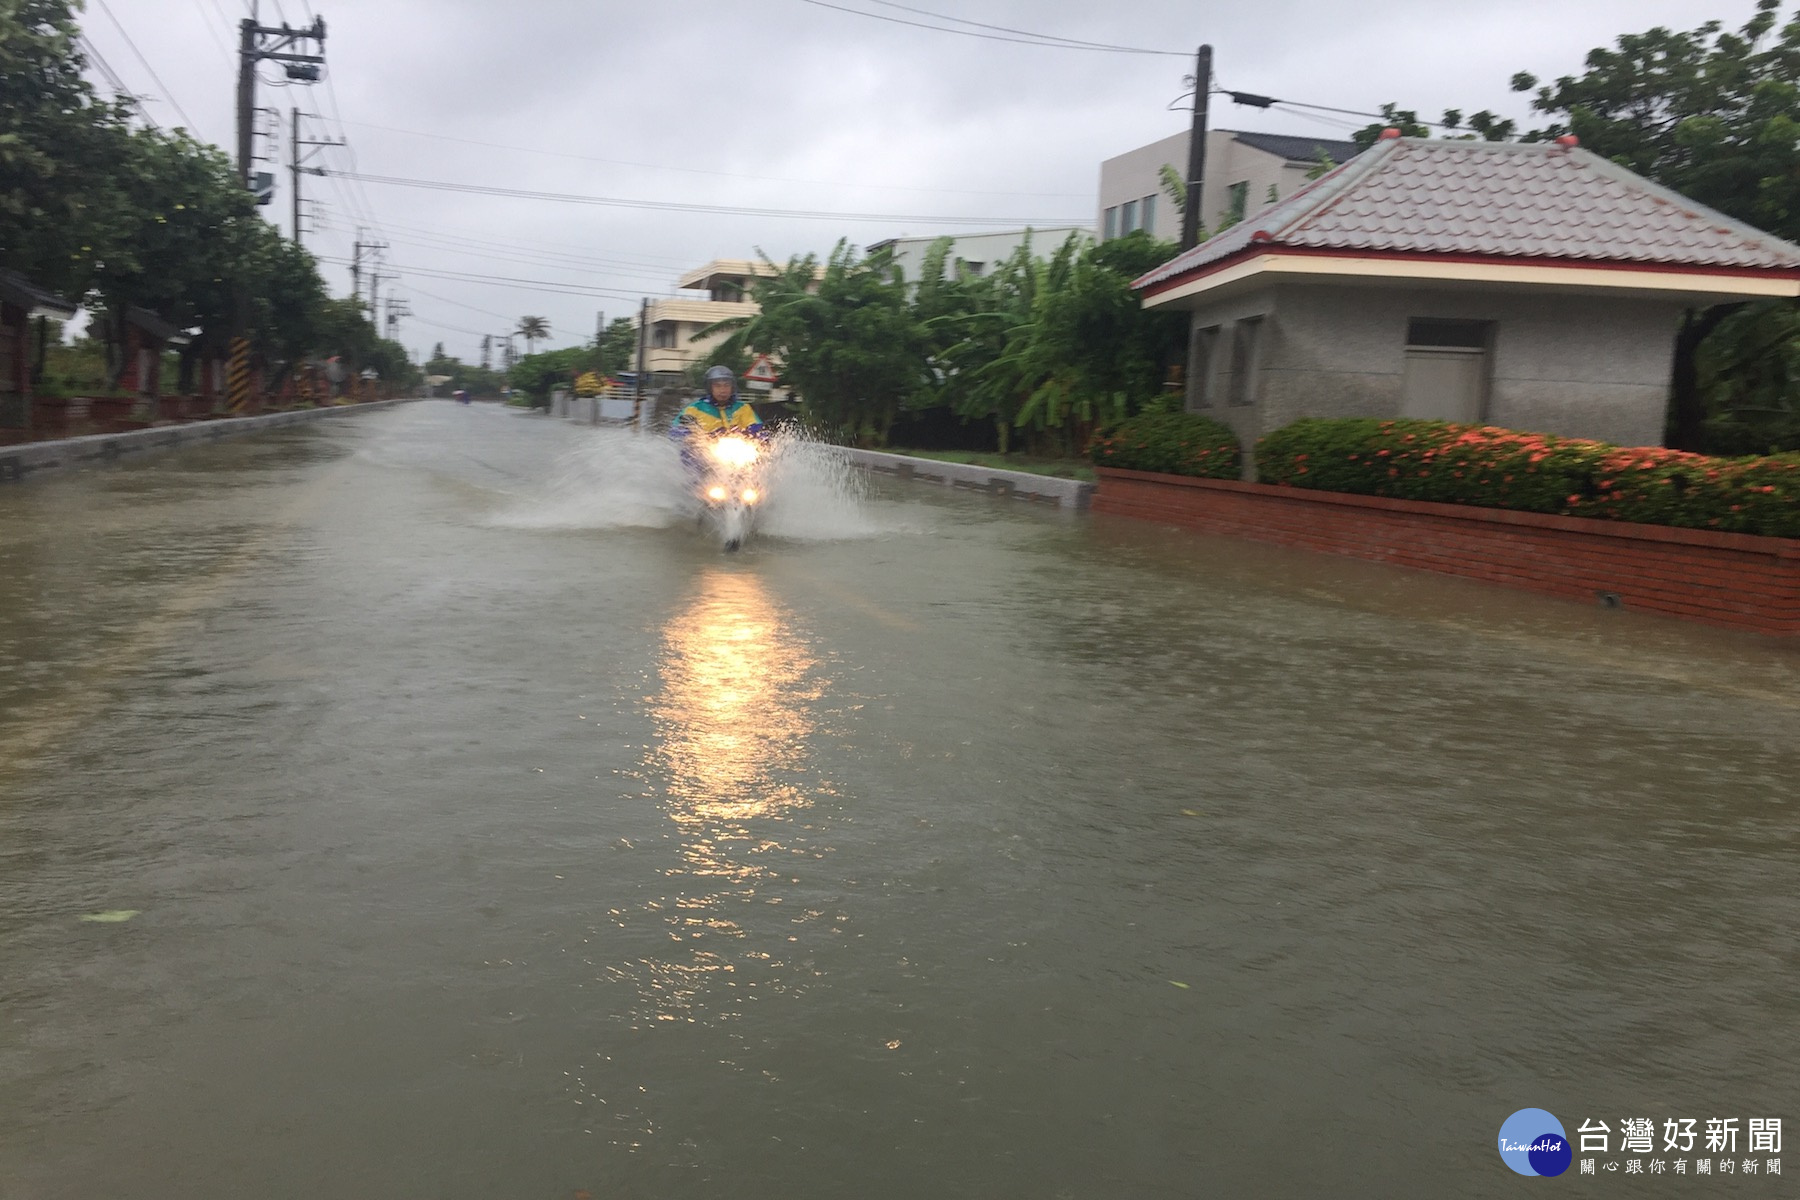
<point x="253" y="49"/>
<point x="1196" y="171"/>
<point x="643" y="343"/>
<point x="297" y="167"/>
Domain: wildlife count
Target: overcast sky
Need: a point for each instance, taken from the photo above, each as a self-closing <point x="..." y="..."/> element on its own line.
<point x="779" y="104"/>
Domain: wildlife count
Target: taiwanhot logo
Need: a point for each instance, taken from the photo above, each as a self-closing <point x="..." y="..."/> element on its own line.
<point x="1532" y="1142"/>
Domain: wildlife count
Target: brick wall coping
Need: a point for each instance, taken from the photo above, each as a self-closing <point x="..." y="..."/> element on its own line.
<point x="1590" y="526"/>
<point x="1021" y="485"/>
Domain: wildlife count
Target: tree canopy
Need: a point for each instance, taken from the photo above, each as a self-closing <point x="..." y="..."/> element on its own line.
<point x="113" y="215"/>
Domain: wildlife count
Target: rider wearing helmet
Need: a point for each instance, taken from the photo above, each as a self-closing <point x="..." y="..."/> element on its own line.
<point x="721" y="410"/>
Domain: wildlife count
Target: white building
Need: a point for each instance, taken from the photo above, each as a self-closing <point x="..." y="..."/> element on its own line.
<point x="1245" y="172"/>
<point x="975" y="254"/>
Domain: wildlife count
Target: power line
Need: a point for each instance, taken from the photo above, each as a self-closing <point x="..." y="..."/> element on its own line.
<point x="532" y="260"/>
<point x="619" y="162"/>
<point x="107" y="9"/>
<point x="1071" y="43"/>
<point x="720" y="209"/>
<point x="112" y="78"/>
<point x="1033" y="40"/>
<point x="206" y="23"/>
<point x="544" y="286"/>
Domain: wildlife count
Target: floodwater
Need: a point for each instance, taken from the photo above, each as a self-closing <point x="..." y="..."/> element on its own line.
<point x="468" y="826"/>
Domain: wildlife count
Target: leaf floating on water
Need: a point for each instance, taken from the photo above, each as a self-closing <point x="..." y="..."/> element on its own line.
<point x="112" y="916"/>
<point x="1188" y="812"/>
<point x="1179" y="984"/>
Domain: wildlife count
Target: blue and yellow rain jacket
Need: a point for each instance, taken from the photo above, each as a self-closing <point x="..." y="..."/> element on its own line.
<point x="703" y="416"/>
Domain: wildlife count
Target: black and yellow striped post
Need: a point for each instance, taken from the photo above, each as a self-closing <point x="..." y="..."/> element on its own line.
<point x="238" y="376"/>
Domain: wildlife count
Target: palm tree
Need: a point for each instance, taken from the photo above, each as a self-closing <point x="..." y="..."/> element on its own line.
<point x="533" y="329"/>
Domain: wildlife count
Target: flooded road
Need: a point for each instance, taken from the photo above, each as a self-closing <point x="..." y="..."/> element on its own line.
<point x="467" y="826"/>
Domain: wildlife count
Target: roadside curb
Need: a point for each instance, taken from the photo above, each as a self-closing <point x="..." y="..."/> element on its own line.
<point x="1021" y="485"/>
<point x="16" y="462"/>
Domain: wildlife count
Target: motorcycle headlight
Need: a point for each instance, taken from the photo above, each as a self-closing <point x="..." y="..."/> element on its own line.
<point x="735" y="451"/>
<point x="715" y="493"/>
<point x="750" y="496"/>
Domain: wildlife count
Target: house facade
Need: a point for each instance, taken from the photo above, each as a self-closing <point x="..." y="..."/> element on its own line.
<point x="1242" y="171"/>
<point x="1535" y="287"/>
<point x="672" y="324"/>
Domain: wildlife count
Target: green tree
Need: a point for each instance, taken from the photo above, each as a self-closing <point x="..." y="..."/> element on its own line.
<point x="1715" y="115"/>
<point x="61" y="200"/>
<point x="851" y="347"/>
<point x="533" y="330"/>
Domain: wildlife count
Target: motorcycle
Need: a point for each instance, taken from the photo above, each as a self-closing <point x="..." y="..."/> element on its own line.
<point x="731" y="486"/>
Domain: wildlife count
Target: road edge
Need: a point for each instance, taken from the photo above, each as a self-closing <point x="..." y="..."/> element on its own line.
<point x="33" y="458"/>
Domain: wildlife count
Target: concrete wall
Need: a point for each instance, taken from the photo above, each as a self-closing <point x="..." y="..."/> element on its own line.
<point x="1575" y="365"/>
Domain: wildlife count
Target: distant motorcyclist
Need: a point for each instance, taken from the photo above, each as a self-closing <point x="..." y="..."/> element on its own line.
<point x="720" y="411"/>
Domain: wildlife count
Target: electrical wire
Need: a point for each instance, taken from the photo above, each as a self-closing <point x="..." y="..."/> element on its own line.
<point x="1074" y="43"/>
<point x="111" y="76"/>
<point x="544" y="262"/>
<point x="481" y="189"/>
<point x="161" y="86"/>
<point x="206" y="23"/>
<point x="1032" y="40"/>
<point x="544" y="286"/>
<point x="619" y="162"/>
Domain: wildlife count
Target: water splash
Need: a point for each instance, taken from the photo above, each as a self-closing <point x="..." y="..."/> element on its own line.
<point x="616" y="478"/>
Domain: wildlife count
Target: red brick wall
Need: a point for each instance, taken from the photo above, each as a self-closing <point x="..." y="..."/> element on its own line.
<point x="1730" y="579"/>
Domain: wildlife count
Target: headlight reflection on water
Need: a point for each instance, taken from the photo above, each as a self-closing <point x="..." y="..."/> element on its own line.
<point x="733" y="719"/>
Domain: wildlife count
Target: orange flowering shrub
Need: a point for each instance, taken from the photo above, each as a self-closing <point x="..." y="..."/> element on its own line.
<point x="1535" y="472"/>
<point x="1174" y="443"/>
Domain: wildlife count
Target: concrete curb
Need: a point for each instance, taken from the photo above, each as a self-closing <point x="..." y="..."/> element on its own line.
<point x="1020" y="485"/>
<point x="16" y="462"/>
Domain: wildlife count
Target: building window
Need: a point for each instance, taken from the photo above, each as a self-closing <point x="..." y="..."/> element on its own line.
<point x="1461" y="335"/>
<point x="1149" y="222"/>
<point x="662" y="335"/>
<point x="1110" y="228"/>
<point x="1202" y="350"/>
<point x="1128" y="216"/>
<point x="1246" y="338"/>
<point x="1238" y="203"/>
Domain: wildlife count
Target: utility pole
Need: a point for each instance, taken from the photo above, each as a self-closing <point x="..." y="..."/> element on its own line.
<point x="297" y="167"/>
<point x="643" y="415"/>
<point x="487" y="341"/>
<point x="254" y="46"/>
<point x="1196" y="171"/>
<point x="356" y="267"/>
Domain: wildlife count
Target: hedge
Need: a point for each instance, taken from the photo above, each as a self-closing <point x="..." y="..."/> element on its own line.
<point x="1174" y="443"/>
<point x="1534" y="472"/>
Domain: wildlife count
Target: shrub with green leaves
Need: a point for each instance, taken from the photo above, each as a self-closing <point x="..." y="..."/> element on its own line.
<point x="1535" y="472"/>
<point x="1174" y="443"/>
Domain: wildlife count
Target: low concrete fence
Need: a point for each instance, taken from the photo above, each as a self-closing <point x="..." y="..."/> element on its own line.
<point x="26" y="458"/>
<point x="1020" y="485"/>
<point x="1734" y="580"/>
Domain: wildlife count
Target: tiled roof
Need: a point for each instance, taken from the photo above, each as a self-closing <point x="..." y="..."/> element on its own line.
<point x="1494" y="200"/>
<point x="1299" y="149"/>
